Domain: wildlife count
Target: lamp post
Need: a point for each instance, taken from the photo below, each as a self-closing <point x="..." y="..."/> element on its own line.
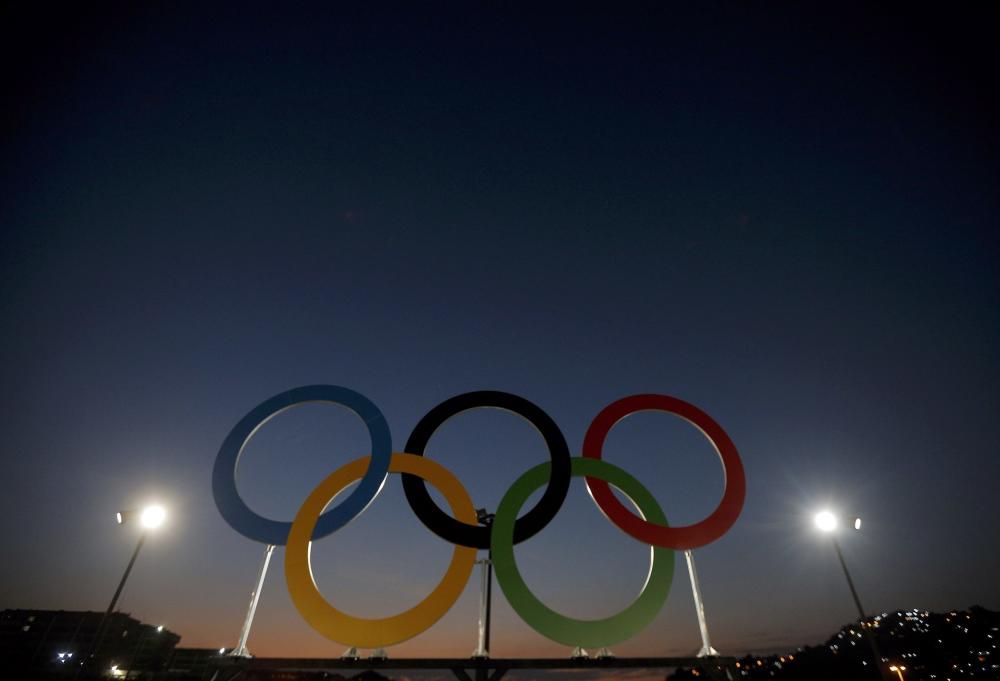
<point x="150" y="517"/>
<point x="828" y="523"/>
<point x="899" y="669"/>
<point x="486" y="592"/>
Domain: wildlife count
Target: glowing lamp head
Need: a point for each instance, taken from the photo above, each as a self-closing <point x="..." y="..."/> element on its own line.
<point x="825" y="521"/>
<point x="857" y="523"/>
<point x="153" y="516"/>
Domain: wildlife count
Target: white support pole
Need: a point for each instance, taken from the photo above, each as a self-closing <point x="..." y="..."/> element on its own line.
<point x="481" y="650"/>
<point x="241" y="648"/>
<point x="706" y="646"/>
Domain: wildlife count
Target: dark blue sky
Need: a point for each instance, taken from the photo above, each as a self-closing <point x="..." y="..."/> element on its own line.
<point x="787" y="219"/>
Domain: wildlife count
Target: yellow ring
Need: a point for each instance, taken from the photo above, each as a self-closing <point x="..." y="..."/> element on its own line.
<point x="375" y="633"/>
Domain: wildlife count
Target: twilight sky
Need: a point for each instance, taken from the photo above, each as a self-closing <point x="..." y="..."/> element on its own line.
<point x="789" y="220"/>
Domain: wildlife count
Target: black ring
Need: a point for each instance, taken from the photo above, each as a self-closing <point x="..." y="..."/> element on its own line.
<point x="528" y="525"/>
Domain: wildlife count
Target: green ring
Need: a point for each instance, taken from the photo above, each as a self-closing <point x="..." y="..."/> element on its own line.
<point x="541" y="618"/>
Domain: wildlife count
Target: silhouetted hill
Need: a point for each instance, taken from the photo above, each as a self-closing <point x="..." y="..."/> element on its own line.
<point x="951" y="646"/>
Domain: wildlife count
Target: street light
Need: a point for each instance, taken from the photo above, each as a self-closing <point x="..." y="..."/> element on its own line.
<point x="150" y="517"/>
<point x="828" y="522"/>
<point x="153" y="516"/>
<point x="899" y="669"/>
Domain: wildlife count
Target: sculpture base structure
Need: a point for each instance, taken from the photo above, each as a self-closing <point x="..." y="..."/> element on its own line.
<point x="472" y="669"/>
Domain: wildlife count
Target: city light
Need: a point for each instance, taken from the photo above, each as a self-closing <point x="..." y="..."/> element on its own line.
<point x="826" y="521"/>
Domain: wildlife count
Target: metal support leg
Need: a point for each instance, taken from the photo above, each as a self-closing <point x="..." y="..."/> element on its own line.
<point x="485" y="593"/>
<point x="241" y="648"/>
<point x="482" y="646"/>
<point x="480" y="674"/>
<point x="706" y="646"/>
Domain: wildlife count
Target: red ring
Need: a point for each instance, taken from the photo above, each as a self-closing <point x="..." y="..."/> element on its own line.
<point x="687" y="536"/>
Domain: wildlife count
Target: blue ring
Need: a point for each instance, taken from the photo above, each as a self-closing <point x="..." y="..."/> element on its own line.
<point x="267" y="531"/>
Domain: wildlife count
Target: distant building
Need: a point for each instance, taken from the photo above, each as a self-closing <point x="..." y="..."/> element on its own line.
<point x="54" y="643"/>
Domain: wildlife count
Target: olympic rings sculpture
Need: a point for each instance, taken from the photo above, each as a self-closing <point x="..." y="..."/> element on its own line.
<point x="459" y="527"/>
